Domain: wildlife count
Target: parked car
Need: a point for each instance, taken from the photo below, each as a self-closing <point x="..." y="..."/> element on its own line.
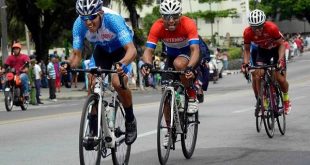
<point x="216" y="69"/>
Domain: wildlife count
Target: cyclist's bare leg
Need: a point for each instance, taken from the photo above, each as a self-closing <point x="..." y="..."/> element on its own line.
<point x="126" y="100"/>
<point x="124" y="94"/>
<point x="180" y="63"/>
<point x="255" y="82"/>
<point x="282" y="81"/>
<point x="259" y="73"/>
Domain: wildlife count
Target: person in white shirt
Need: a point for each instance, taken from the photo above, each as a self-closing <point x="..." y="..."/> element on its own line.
<point x="38" y="74"/>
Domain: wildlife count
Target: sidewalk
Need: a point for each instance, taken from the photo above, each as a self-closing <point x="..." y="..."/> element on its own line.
<point x="73" y="93"/>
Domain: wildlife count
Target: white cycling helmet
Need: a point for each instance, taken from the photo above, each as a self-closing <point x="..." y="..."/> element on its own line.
<point x="257" y="18"/>
<point x="170" y="7"/>
<point x="88" y="7"/>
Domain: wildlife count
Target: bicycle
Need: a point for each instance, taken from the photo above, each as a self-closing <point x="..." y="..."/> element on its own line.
<point x="177" y="122"/>
<point x="269" y="106"/>
<point x="102" y="125"/>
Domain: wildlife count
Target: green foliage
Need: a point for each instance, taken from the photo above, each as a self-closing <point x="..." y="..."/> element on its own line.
<point x="139" y="34"/>
<point x="234" y="53"/>
<point x="149" y="19"/>
<point x="46" y="4"/>
<point x="286" y="8"/>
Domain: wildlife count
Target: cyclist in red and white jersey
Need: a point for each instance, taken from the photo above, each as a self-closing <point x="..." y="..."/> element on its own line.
<point x="180" y="37"/>
<point x="270" y="43"/>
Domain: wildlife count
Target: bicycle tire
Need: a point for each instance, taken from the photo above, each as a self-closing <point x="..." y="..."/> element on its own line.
<point x="95" y="155"/>
<point x="280" y="115"/>
<point x="258" y="115"/>
<point x="164" y="151"/>
<point x="8" y="101"/>
<point x="188" y="143"/>
<point x="121" y="152"/>
<point x="269" y="120"/>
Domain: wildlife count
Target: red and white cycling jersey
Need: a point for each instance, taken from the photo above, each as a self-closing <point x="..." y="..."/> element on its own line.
<point x="178" y="41"/>
<point x="268" y="38"/>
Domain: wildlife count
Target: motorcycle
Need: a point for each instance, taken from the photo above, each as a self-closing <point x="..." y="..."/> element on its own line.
<point x="13" y="93"/>
<point x="216" y="69"/>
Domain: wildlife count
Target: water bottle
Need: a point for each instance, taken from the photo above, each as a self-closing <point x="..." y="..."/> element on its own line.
<point x="110" y="115"/>
<point x="182" y="101"/>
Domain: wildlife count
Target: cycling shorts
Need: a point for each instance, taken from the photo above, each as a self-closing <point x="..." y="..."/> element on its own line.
<point x="264" y="56"/>
<point x="105" y="60"/>
<point x="169" y="66"/>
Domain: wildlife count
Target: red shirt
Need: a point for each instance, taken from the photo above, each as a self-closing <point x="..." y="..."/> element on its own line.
<point x="287" y="45"/>
<point x="17" y="62"/>
<point x="298" y="42"/>
<point x="178" y="41"/>
<point x="267" y="40"/>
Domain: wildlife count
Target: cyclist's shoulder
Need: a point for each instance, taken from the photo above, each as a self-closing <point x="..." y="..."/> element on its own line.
<point x="271" y="26"/>
<point x="111" y="16"/>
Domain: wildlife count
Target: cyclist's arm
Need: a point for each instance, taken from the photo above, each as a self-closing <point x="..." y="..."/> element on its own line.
<point x="75" y="58"/>
<point x="281" y="48"/>
<point x="194" y="55"/>
<point x="246" y="55"/>
<point x="148" y="55"/>
<point x="130" y="55"/>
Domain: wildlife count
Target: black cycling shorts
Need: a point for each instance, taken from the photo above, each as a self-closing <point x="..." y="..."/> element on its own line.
<point x="105" y="60"/>
<point x="265" y="55"/>
<point x="169" y="66"/>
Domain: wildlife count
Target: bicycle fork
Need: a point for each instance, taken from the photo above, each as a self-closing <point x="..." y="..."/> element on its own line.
<point x="174" y="115"/>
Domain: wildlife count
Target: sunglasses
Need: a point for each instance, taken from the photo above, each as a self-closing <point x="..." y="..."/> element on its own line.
<point x="89" y="17"/>
<point x="171" y="16"/>
<point x="257" y="27"/>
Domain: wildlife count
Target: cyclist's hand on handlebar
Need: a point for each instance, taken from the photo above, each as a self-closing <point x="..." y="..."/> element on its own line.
<point x="245" y="67"/>
<point x="121" y="69"/>
<point x="146" y="68"/>
<point x="189" y="72"/>
<point x="281" y="65"/>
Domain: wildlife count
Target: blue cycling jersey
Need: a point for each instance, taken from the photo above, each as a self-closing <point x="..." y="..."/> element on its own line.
<point x="113" y="33"/>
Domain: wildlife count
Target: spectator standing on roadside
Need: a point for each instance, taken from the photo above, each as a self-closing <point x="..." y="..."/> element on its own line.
<point x="58" y="76"/>
<point x="51" y="76"/>
<point x="44" y="82"/>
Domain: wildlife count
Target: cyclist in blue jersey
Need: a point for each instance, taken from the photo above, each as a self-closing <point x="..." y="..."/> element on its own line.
<point x="113" y="44"/>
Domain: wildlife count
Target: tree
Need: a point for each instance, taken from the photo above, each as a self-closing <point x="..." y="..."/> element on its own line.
<point x="47" y="20"/>
<point x="285" y="9"/>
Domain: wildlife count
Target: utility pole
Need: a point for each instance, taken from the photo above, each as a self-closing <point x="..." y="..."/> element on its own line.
<point x="4" y="32"/>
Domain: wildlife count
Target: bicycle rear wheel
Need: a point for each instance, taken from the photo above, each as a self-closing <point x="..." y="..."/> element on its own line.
<point x="164" y="132"/>
<point x="121" y="152"/>
<point x="89" y="150"/>
<point x="269" y="120"/>
<point x="189" y="136"/>
<point x="281" y="120"/>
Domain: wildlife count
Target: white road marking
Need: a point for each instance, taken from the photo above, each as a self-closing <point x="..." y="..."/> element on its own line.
<point x="243" y="110"/>
<point x="147" y="133"/>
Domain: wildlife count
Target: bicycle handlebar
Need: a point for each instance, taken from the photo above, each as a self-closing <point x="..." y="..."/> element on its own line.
<point x="167" y="71"/>
<point x="100" y="71"/>
<point x="262" y="67"/>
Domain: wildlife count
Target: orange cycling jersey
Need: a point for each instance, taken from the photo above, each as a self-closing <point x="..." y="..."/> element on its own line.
<point x="268" y="38"/>
<point x="178" y="41"/>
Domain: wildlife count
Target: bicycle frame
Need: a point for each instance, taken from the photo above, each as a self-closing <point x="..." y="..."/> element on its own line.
<point x="108" y="136"/>
<point x="174" y="115"/>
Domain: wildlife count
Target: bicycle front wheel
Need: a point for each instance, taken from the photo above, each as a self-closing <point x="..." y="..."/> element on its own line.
<point x="189" y="136"/>
<point x="121" y="152"/>
<point x="89" y="150"/>
<point x="281" y="120"/>
<point x="269" y="120"/>
<point x="164" y="131"/>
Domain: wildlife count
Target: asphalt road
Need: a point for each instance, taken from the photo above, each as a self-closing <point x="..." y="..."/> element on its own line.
<point x="48" y="134"/>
